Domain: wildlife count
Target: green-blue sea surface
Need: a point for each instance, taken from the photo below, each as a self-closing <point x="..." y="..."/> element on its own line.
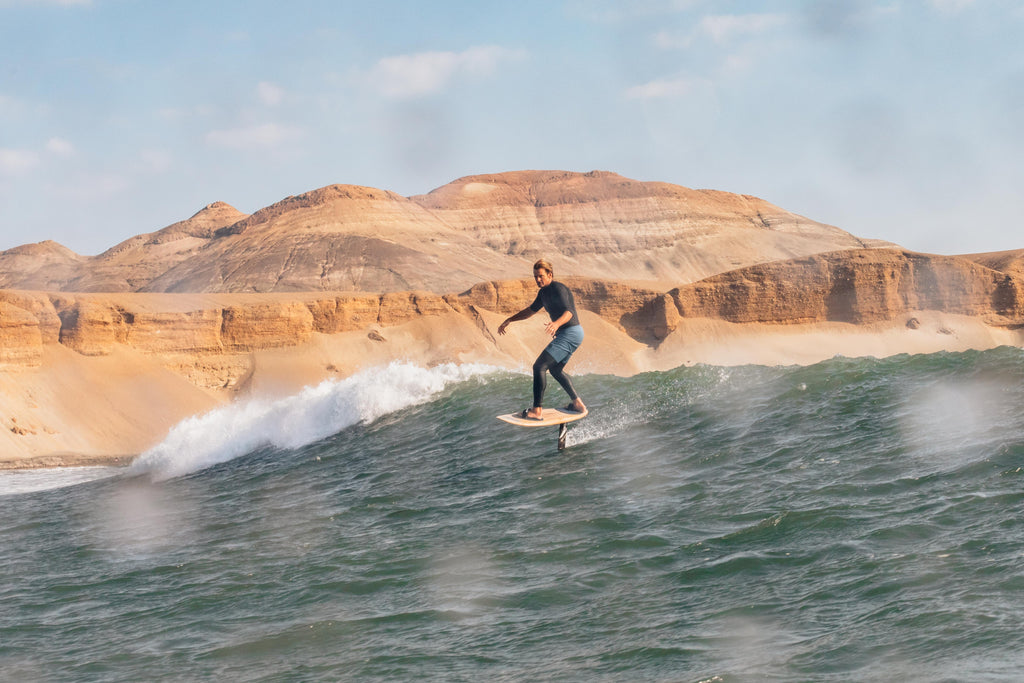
<point x="856" y="520"/>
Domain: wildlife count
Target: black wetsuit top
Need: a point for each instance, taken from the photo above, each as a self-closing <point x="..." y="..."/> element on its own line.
<point x="556" y="300"/>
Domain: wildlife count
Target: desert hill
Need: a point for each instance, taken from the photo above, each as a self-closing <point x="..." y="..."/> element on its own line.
<point x="1009" y="262"/>
<point x="147" y="361"/>
<point x="478" y="228"/>
<point x="133" y="263"/>
<point x="46" y="266"/>
<point x="226" y="305"/>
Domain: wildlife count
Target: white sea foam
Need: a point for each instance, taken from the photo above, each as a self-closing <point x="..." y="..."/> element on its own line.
<point x="31" y="481"/>
<point x="313" y="414"/>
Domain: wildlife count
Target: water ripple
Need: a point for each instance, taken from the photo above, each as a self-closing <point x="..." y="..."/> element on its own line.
<point x="837" y="522"/>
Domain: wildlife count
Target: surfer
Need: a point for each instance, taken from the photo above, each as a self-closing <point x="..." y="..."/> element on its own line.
<point x="557" y="300"/>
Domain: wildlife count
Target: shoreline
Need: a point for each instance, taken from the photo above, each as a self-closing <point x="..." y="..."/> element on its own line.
<point x="75" y="410"/>
<point x="66" y="460"/>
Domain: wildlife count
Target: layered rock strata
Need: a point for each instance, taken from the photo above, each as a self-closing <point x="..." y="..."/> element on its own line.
<point x="96" y="375"/>
<point x="352" y="238"/>
<point x="857" y="287"/>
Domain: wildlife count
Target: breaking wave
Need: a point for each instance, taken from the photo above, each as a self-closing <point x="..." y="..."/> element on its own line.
<point x="295" y="421"/>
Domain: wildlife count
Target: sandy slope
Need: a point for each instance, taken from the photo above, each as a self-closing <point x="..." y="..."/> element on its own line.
<point x="76" y="409"/>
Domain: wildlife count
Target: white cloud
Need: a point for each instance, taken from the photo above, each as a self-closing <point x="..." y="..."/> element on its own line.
<point x="843" y="18"/>
<point x="723" y="28"/>
<point x="269" y="93"/>
<point x="670" y="40"/>
<point x="266" y="135"/>
<point x="424" y="73"/>
<point x="178" y="114"/>
<point x="616" y="11"/>
<point x="738" y="63"/>
<point x="16" y="162"/>
<point x="60" y="147"/>
<point x="951" y="6"/>
<point x="664" y="88"/>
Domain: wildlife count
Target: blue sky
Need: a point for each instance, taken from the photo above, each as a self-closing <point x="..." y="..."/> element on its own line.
<point x="894" y="119"/>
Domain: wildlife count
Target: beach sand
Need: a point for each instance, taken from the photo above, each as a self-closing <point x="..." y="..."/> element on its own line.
<point x="99" y="410"/>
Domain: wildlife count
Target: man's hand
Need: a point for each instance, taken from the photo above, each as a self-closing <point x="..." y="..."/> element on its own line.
<point x="552" y="327"/>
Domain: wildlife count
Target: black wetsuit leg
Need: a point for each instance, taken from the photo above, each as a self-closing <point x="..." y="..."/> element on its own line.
<point x="546" y="363"/>
<point x="558" y="372"/>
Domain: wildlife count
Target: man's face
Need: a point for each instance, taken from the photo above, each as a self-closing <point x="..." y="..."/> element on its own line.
<point x="542" y="277"/>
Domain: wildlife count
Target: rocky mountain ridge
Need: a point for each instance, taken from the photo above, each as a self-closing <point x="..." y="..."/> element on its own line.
<point x="478" y="228"/>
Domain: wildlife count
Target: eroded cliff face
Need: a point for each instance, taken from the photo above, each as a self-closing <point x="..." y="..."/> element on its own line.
<point x="21" y="341"/>
<point x="95" y="324"/>
<point x="95" y="374"/>
<point x="857" y="287"/>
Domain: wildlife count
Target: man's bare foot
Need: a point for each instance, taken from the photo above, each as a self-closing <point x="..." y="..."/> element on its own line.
<point x="576" y="407"/>
<point x="534" y="414"/>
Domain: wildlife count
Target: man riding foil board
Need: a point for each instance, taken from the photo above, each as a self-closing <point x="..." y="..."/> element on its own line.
<point x="557" y="300"/>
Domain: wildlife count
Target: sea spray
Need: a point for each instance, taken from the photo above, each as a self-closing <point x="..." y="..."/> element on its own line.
<point x="295" y="421"/>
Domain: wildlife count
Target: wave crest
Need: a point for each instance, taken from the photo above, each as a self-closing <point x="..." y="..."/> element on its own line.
<point x="295" y="421"/>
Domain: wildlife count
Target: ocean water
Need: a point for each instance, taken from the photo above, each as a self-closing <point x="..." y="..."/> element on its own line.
<point x="857" y="520"/>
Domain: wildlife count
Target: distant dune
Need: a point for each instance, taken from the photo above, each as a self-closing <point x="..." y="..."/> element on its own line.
<point x="101" y="355"/>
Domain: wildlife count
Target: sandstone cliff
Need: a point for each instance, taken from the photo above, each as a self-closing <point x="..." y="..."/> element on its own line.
<point x="856" y="287"/>
<point x="84" y="376"/>
<point x="351" y="238"/>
